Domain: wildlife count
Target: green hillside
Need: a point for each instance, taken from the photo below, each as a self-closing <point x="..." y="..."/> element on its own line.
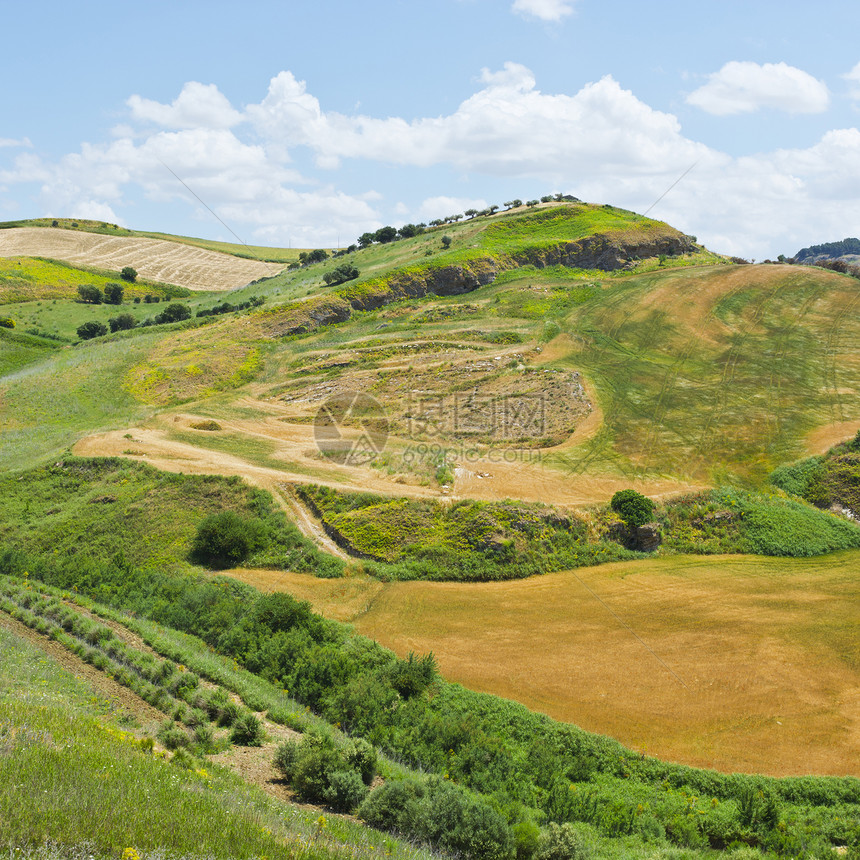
<point x="452" y="403"/>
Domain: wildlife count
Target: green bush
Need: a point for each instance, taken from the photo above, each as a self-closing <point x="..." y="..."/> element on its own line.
<point x="797" y="477"/>
<point x="226" y="539"/>
<point x="634" y="508"/>
<point x="247" y="731"/>
<point x="566" y="841"/>
<point x="321" y="772"/>
<point x="90" y="294"/>
<point x="91" y="329"/>
<point x="114" y="293"/>
<point x="7" y="322"/>
<point x="443" y="814"/>
<point x="172" y="736"/>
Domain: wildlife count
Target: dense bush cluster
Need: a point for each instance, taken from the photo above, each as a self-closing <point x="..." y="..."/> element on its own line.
<point x="321" y="771"/>
<point x="634" y="508"/>
<point x="341" y="274"/>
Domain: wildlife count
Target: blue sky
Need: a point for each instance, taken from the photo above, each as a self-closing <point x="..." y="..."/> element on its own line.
<point x="308" y="124"/>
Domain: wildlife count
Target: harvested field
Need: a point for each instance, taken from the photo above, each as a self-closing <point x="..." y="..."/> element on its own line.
<point x="157" y="260"/>
<point x="735" y="663"/>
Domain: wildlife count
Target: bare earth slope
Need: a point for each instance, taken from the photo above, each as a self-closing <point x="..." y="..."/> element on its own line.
<point x="158" y="260"/>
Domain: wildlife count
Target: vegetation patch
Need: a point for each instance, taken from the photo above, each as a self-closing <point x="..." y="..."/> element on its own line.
<point x="508" y="768"/>
<point x="827" y="481"/>
<point x="25" y="279"/>
<point x="466" y="540"/>
<point x="73" y="784"/>
<point x="83" y="510"/>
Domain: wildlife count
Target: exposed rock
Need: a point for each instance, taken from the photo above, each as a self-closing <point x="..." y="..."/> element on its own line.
<point x="648" y="537"/>
<point x="602" y="252"/>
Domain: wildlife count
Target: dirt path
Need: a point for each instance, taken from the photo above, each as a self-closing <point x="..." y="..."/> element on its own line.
<point x="500" y="474"/>
<point x="306" y="522"/>
<point x="155" y="259"/>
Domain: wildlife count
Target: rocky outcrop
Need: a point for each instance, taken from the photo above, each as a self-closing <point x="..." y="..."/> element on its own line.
<point x="302" y="317"/>
<point x="648" y="537"/>
<point x="415" y="284"/>
<point x="604" y="253"/>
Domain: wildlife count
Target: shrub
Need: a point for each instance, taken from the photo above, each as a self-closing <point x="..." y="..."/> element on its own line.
<point x="204" y="739"/>
<point x="634" y="508"/>
<point x="320" y="772"/>
<point x="172" y="736"/>
<point x="7" y="322"/>
<point x="566" y="842"/>
<point x="361" y="757"/>
<point x="342" y="273"/>
<point x="174" y="312"/>
<point x="441" y="813"/>
<point x="91" y="329"/>
<point x="228" y="714"/>
<point x="113" y="294"/>
<point x="123" y="322"/>
<point x="128" y="274"/>
<point x="797" y="477"/>
<point x="247" y="731"/>
<point x="226" y="539"/>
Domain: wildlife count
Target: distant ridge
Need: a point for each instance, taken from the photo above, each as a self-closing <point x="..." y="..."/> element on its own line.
<point x="848" y="248"/>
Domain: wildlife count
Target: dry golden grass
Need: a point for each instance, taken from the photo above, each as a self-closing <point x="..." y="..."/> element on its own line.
<point x="158" y="260"/>
<point x="736" y="663"/>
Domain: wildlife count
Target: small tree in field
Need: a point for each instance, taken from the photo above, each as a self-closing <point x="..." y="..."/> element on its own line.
<point x="634" y="508"/>
<point x="128" y="274"/>
<point x="90" y="294"/>
<point x="123" y="322"/>
<point x="446" y="242"/>
<point x="113" y="294"/>
<point x="90" y="330"/>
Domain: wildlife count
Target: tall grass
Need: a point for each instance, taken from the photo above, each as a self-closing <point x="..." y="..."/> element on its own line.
<point x="73" y="783"/>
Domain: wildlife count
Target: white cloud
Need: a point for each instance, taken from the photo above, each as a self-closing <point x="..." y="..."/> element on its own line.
<point x="545" y="10"/>
<point x="600" y="143"/>
<point x="442" y="206"/>
<point x="197" y="106"/>
<point x="744" y="87"/>
<point x="854" y="77"/>
<point x="11" y="142"/>
<point x="507" y="128"/>
<point x="240" y="181"/>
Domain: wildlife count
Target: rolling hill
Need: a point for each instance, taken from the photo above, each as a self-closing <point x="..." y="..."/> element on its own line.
<point x="464" y="408"/>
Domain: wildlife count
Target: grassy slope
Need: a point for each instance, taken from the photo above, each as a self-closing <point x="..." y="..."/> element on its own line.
<point x="699" y="371"/>
<point x="27" y="279"/>
<point x="76" y="779"/>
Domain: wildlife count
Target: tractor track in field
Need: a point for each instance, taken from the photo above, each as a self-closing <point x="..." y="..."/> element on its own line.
<point x="155" y="259"/>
